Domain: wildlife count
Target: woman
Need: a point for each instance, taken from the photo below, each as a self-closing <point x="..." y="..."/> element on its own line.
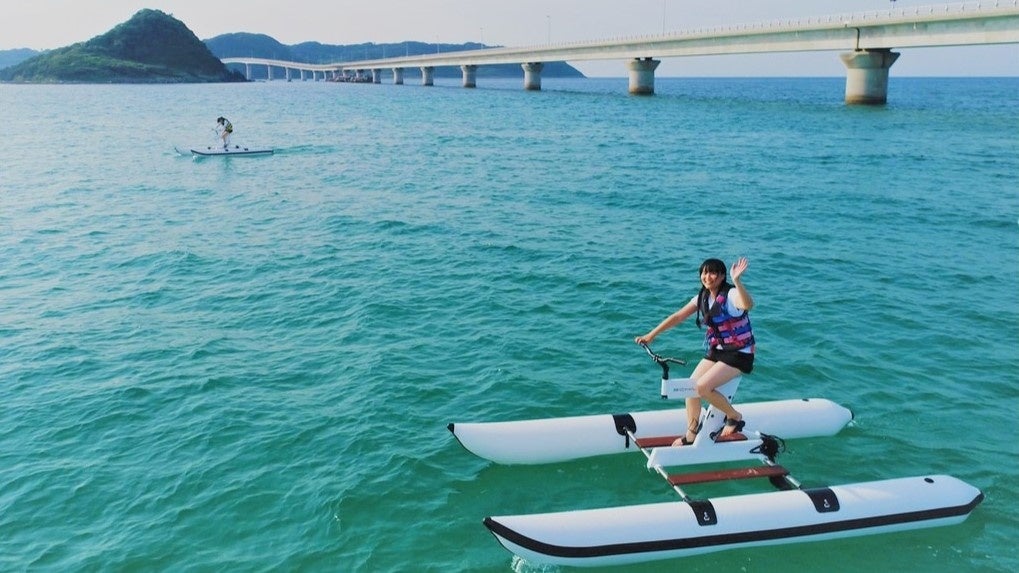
<point x="225" y="129"/>
<point x="729" y="341"/>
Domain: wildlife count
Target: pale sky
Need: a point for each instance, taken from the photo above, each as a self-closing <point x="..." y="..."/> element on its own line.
<point x="47" y="24"/>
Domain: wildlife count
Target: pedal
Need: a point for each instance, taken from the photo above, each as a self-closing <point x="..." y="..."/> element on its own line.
<point x="733" y="437"/>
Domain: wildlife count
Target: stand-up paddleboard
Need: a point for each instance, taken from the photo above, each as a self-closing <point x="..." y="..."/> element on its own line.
<point x="231" y="151"/>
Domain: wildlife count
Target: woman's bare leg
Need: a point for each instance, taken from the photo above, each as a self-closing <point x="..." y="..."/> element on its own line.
<point x="707" y="384"/>
<point x="693" y="404"/>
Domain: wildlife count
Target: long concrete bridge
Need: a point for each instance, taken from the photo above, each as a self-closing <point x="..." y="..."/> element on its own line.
<point x="865" y="42"/>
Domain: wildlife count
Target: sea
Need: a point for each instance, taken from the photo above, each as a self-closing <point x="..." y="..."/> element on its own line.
<point x="250" y="364"/>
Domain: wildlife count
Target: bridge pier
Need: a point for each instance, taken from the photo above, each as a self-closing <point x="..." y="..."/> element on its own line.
<point x="532" y="75"/>
<point x="398" y="76"/>
<point x="642" y="76"/>
<point x="867" y="75"/>
<point x="268" y="73"/>
<point x="247" y="72"/>
<point x="376" y="75"/>
<point x="427" y="73"/>
<point x="287" y="70"/>
<point x="470" y="74"/>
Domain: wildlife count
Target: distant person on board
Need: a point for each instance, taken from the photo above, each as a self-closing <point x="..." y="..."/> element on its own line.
<point x="729" y="341"/>
<point x="225" y="129"/>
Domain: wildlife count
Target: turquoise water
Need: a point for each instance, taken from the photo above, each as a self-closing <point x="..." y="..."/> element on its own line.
<point x="249" y="364"/>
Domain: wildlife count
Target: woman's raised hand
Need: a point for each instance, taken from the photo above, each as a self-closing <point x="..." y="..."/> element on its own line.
<point x="737" y="268"/>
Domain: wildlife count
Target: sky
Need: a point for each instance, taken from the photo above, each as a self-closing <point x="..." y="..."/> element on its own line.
<point x="47" y="24"/>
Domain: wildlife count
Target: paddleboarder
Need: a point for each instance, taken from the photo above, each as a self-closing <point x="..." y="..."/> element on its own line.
<point x="225" y="129"/>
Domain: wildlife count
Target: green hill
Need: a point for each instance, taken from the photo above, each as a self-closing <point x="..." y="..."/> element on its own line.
<point x="244" y="45"/>
<point x="247" y="45"/>
<point x="151" y="47"/>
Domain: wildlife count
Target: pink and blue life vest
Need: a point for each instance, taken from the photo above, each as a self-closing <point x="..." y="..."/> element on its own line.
<point x="725" y="331"/>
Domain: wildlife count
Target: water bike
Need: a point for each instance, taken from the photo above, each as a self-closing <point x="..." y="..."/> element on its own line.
<point x="639" y="533"/>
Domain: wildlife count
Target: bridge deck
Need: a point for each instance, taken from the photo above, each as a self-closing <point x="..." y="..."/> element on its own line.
<point x="970" y="23"/>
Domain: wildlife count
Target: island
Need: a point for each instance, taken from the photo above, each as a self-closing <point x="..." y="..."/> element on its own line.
<point x="151" y="47"/>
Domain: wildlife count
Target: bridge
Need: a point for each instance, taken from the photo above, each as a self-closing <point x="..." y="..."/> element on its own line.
<point x="865" y="41"/>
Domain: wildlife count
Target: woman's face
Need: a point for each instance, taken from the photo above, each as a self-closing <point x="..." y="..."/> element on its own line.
<point x="711" y="279"/>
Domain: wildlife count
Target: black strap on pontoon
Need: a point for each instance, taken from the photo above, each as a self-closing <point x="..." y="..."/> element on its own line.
<point x="824" y="499"/>
<point x="704" y="511"/>
<point x="625" y="426"/>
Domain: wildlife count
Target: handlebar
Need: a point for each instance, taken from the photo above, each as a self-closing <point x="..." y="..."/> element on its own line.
<point x="662" y="361"/>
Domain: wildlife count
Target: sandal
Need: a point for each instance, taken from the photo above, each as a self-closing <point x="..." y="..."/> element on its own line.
<point x="682" y="441"/>
<point x="736" y="425"/>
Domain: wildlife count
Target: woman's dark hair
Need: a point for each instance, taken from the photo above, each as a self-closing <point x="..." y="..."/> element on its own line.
<point x="712" y="266"/>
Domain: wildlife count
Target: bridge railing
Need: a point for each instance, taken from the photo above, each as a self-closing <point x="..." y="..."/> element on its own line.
<point x="848" y="18"/>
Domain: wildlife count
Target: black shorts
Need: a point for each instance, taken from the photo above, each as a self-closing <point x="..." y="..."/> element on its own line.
<point x="743" y="361"/>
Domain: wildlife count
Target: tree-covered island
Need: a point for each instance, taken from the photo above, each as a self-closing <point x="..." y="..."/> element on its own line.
<point x="151" y="47"/>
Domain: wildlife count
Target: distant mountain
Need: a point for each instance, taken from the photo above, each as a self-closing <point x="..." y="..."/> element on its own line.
<point x="9" y="58"/>
<point x="151" y="47"/>
<point x="245" y="45"/>
<point x="242" y="45"/>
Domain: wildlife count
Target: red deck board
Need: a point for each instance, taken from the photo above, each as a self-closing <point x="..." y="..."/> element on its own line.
<point x="656" y="441"/>
<point x="666" y="441"/>
<point x="722" y="475"/>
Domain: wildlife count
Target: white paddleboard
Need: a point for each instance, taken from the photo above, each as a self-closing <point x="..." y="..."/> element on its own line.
<point x="233" y="150"/>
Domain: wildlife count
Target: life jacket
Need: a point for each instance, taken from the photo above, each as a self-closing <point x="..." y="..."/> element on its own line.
<point x="228" y="127"/>
<point x="724" y="331"/>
